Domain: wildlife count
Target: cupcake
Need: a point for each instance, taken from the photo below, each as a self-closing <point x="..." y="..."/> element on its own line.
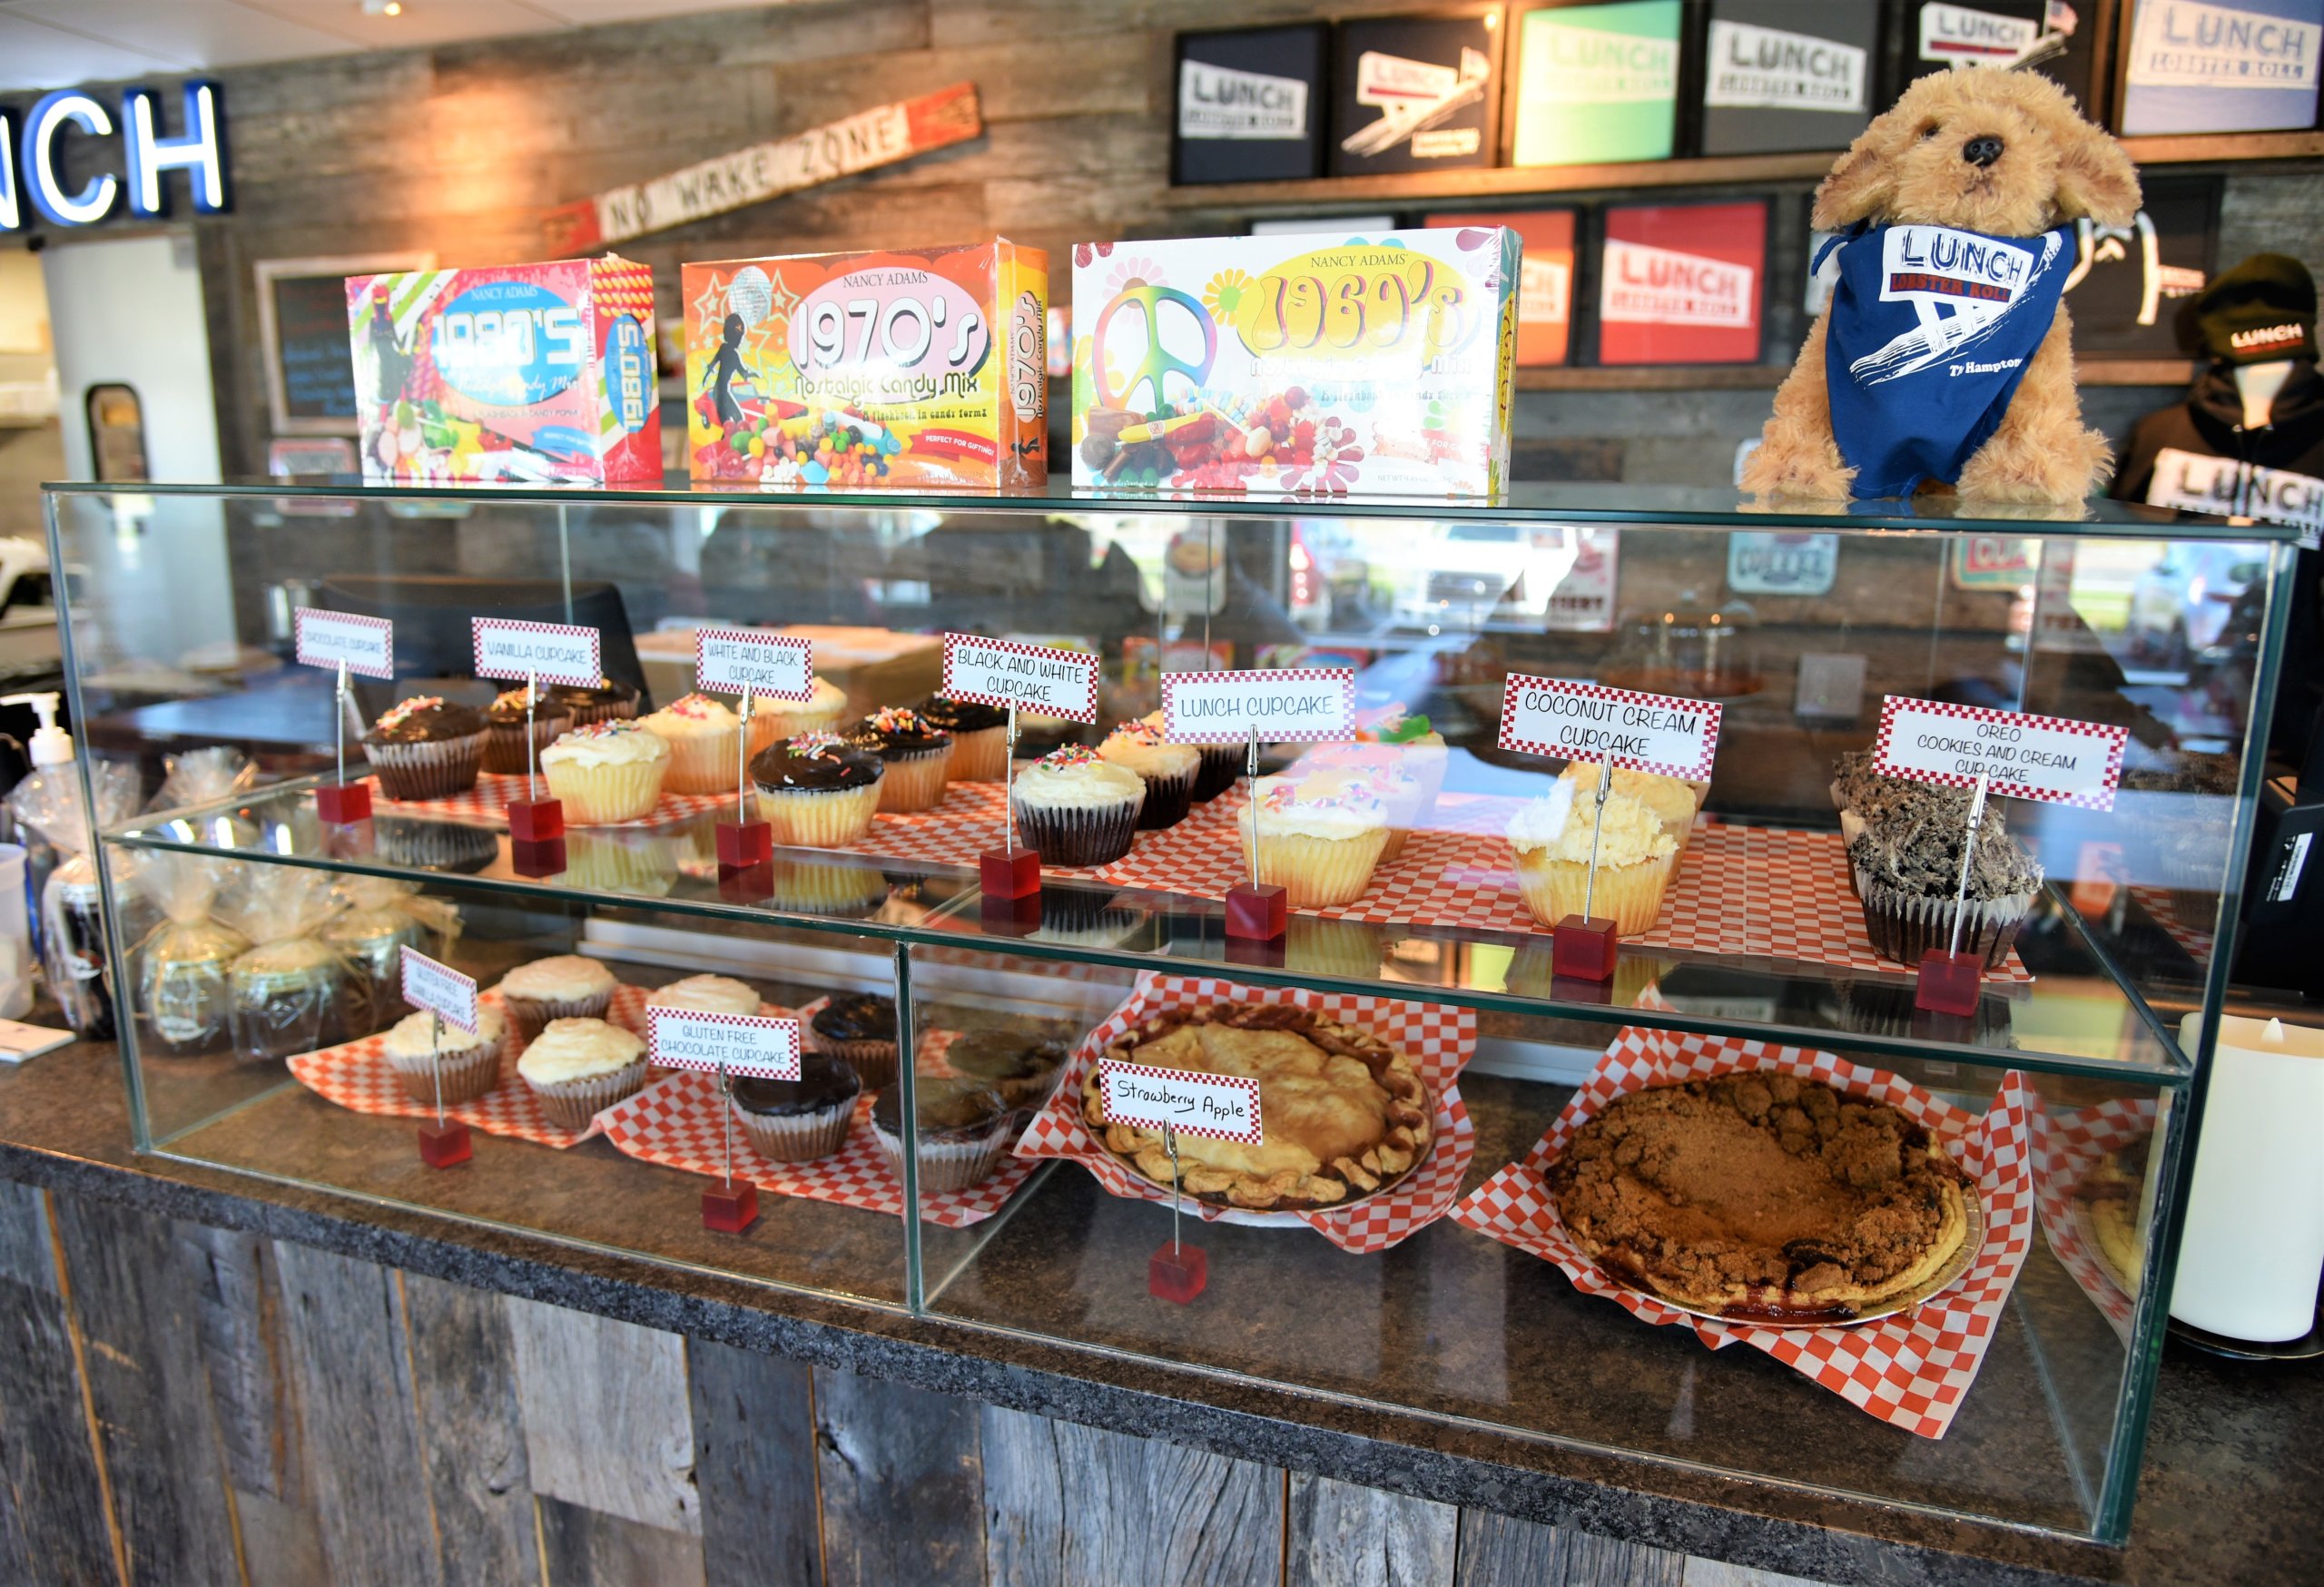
<point x="505" y="745"/>
<point x="608" y="701"/>
<point x="1023" y="1068"/>
<point x="961" y="1128"/>
<point x="801" y="1120"/>
<point x="979" y="737"/>
<point x="1907" y="866"/>
<point x="707" y="994"/>
<point x="420" y="1047"/>
<point x="425" y="748"/>
<point x="1076" y="808"/>
<point x="1168" y="771"/>
<point x="1221" y="763"/>
<point x="1672" y="801"/>
<point x="1318" y="838"/>
<point x="816" y="792"/>
<point x="1390" y="780"/>
<point x="564" y="986"/>
<point x="915" y="752"/>
<point x="434" y="845"/>
<point x="706" y="742"/>
<point x="640" y="862"/>
<point x="859" y="1028"/>
<point x="773" y="720"/>
<point x="1636" y="854"/>
<point x="1412" y="740"/>
<point x="607" y="772"/>
<point x="846" y="889"/>
<point x="580" y="1068"/>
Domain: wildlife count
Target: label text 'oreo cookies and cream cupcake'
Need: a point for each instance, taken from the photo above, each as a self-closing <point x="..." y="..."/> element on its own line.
<point x="554" y="653"/>
<point x="1660" y="733"/>
<point x="1300" y="703"/>
<point x="753" y="1046"/>
<point x="1219" y="1107"/>
<point x="1034" y="678"/>
<point x="2052" y="759"/>
<point x="734" y="661"/>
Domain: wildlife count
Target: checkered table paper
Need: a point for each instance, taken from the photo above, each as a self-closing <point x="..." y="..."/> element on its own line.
<point x="1751" y="891"/>
<point x="487" y="803"/>
<point x="357" y="1075"/>
<point x="1439" y="1040"/>
<point x="2066" y="1147"/>
<point x="680" y="1123"/>
<point x="1911" y="1369"/>
<point x="2192" y="941"/>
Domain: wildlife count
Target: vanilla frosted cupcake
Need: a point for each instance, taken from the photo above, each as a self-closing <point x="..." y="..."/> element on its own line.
<point x="706" y="742"/>
<point x="1168" y="771"/>
<point x="607" y="772"/>
<point x="816" y="792"/>
<point x="1635" y="855"/>
<point x="1389" y="777"/>
<point x="1672" y="801"/>
<point x="580" y="1068"/>
<point x="705" y="994"/>
<point x="420" y="1046"/>
<point x="979" y="738"/>
<point x="916" y="753"/>
<point x="1318" y="838"/>
<point x="773" y="720"/>
<point x="1075" y="808"/>
<point x="1222" y="763"/>
<point x="563" y="986"/>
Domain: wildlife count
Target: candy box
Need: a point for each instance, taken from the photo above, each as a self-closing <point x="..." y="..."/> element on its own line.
<point x="1319" y="363"/>
<point x="918" y="367"/>
<point x="521" y="371"/>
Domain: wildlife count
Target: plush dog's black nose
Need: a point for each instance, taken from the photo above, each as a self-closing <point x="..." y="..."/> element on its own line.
<point x="1982" y="150"/>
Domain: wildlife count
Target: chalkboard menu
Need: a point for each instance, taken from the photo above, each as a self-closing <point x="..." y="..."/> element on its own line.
<point x="302" y="321"/>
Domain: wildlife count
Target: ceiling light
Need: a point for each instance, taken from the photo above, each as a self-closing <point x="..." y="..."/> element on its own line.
<point x="382" y="7"/>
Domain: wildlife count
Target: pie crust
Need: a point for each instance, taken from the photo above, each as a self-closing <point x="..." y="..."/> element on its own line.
<point x="1343" y="1114"/>
<point x="1763" y="1196"/>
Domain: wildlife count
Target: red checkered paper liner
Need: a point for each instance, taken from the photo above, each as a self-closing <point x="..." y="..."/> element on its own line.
<point x="487" y="803"/>
<point x="1439" y="1039"/>
<point x="681" y="1123"/>
<point x="1911" y="1369"/>
<point x="2192" y="941"/>
<point x="1763" y="893"/>
<point x="2066" y="1147"/>
<point x="356" y="1076"/>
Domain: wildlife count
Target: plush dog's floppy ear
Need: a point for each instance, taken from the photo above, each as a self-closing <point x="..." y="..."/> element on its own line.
<point x="1859" y="186"/>
<point x="2095" y="178"/>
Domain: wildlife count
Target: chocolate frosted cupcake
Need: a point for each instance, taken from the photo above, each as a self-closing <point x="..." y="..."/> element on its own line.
<point x="1221" y="763"/>
<point x="608" y="701"/>
<point x="979" y="737"/>
<point x="1076" y="808"/>
<point x="425" y="748"/>
<point x="434" y="845"/>
<point x="859" y="1028"/>
<point x="1168" y="771"/>
<point x="816" y="792"/>
<point x="916" y="753"/>
<point x="504" y="749"/>
<point x="1022" y="1066"/>
<point x="1907" y="867"/>
<point x="962" y="1130"/>
<point x="801" y="1120"/>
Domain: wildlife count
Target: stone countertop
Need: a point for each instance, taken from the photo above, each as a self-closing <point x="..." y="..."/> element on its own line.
<point x="2232" y="1489"/>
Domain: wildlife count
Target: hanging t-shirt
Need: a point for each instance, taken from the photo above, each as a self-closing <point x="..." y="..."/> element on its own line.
<point x="1929" y="331"/>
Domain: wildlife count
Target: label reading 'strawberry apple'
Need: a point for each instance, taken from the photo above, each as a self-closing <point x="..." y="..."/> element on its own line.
<point x="555" y="653"/>
<point x="429" y="984"/>
<point x="2052" y="759"/>
<point x="753" y="1046"/>
<point x="1298" y="703"/>
<point x="731" y="660"/>
<point x="1661" y="733"/>
<point x="327" y="639"/>
<point x="1220" y="1107"/>
<point x="1003" y="672"/>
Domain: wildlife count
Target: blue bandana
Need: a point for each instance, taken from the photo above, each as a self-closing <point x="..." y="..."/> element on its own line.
<point x="1930" y="330"/>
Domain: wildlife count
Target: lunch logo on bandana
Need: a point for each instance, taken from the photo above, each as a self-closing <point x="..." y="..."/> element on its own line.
<point x="1962" y="286"/>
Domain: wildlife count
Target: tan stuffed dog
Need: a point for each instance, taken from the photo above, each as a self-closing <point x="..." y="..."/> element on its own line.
<point x="1946" y="358"/>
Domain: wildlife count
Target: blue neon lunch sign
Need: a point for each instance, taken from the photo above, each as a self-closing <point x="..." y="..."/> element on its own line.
<point x="31" y="156"/>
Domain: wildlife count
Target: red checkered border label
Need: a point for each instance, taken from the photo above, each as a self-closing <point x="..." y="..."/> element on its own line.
<point x="2114" y="738"/>
<point x="590" y="680"/>
<point x="439" y="987"/>
<point x="381" y="626"/>
<point x="1080" y="660"/>
<point x="1344" y="677"/>
<point x="654" y="1014"/>
<point x="1109" y="1069"/>
<point x="773" y="641"/>
<point x="1696" y="770"/>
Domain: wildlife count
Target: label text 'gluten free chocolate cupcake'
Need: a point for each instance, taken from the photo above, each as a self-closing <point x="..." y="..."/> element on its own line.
<point x="749" y="1046"/>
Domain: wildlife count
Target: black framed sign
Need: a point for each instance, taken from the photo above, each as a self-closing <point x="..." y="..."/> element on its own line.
<point x="1251" y="105"/>
<point x="302" y="332"/>
<point x="1779" y="75"/>
<point x="1416" y="93"/>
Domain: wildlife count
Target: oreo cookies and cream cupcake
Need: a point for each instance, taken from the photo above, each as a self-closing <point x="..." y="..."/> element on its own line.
<point x="914" y="750"/>
<point x="1168" y="771"/>
<point x="979" y="737"/>
<point x="1076" y="808"/>
<point x="801" y="1120"/>
<point x="818" y="792"/>
<point x="962" y="1130"/>
<point x="1907" y="865"/>
<point x="505" y="746"/>
<point x="607" y="702"/>
<point x="425" y="748"/>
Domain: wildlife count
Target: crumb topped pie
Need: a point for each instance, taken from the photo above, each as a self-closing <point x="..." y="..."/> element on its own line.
<point x="1343" y="1114"/>
<point x="1761" y="1195"/>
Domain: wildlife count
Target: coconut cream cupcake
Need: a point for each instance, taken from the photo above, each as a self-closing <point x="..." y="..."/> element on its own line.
<point x="1222" y="763"/>
<point x="1672" y="801"/>
<point x="1319" y="840"/>
<point x="1636" y="853"/>
<point x="563" y="986"/>
<point x="580" y="1068"/>
<point x="773" y="720"/>
<point x="979" y="737"/>
<point x="425" y="748"/>
<point x="1168" y="771"/>
<point x="420" y="1046"/>
<point x="607" y="772"/>
<point x="705" y="994"/>
<point x="817" y="791"/>
<point x="916" y="753"/>
<point x="505" y="745"/>
<point x="706" y="742"/>
<point x="1075" y="808"/>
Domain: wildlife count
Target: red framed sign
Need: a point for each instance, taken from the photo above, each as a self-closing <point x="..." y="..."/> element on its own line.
<point x="1293" y="703"/>
<point x="755" y="1045"/>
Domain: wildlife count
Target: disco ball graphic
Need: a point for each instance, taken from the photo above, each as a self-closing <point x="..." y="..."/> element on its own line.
<point x="749" y="295"/>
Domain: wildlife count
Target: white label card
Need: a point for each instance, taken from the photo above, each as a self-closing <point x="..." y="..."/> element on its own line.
<point x="367" y="645"/>
<point x="1221" y="1106"/>
<point x="2049" y="758"/>
<point x="555" y="653"/>
<point x="428" y="984"/>
<point x="1660" y="733"/>
<point x="756" y="1046"/>
<point x="727" y="661"/>
<point x="1291" y="703"/>
<point x="1004" y="672"/>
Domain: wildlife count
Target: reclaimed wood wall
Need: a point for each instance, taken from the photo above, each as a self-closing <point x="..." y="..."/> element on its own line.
<point x="185" y="1405"/>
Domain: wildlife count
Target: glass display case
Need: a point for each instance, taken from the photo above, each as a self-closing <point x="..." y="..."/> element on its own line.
<point x="1940" y="1237"/>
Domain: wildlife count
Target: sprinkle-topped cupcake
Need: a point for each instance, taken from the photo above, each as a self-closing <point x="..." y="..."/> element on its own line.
<point x="505" y="748"/>
<point x="608" y="771"/>
<point x="425" y="748"/>
<point x="1075" y="807"/>
<point x="817" y="791"/>
<point x="916" y="752"/>
<point x="706" y="742"/>
<point x="1168" y="771"/>
<point x="1317" y="837"/>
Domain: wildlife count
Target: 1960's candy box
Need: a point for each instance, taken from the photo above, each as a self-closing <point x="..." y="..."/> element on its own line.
<point x="522" y="371"/>
<point x="915" y="367"/>
<point x="1315" y="363"/>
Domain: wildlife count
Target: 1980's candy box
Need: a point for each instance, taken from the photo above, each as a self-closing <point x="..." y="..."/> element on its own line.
<point x="1317" y="363"/>
<point x="522" y="371"/>
<point x="914" y="367"/>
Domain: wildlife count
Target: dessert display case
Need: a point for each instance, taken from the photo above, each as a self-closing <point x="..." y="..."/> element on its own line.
<point x="1450" y="1166"/>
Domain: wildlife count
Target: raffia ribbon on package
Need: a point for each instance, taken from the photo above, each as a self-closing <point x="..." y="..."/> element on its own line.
<point x="1911" y="1369"/>
<point x="2067" y="1146"/>
<point x="1439" y="1039"/>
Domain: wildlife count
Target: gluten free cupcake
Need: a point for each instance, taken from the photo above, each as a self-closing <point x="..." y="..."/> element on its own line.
<point x="1907" y="865"/>
<point x="802" y="1120"/>
<point x="609" y="771"/>
<point x="425" y="748"/>
<point x="1076" y="808"/>
<point x="707" y="994"/>
<point x="1221" y="763"/>
<point x="817" y="791"/>
<point x="506" y="744"/>
<point x="580" y="1068"/>
<point x="1636" y="854"/>
<point x="1318" y="838"/>
<point x="979" y="738"/>
<point x="420" y="1047"/>
<point x="1021" y="1066"/>
<point x="706" y="742"/>
<point x="914" y="750"/>
<point x="607" y="701"/>
<point x="961" y="1128"/>
<point x="1168" y="771"/>
<point x="563" y="986"/>
<point x="859" y="1028"/>
<point x="773" y="720"/>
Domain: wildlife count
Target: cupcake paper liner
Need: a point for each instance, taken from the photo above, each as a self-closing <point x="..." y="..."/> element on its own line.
<point x="432" y="769"/>
<point x="530" y="1016"/>
<point x="831" y="889"/>
<point x="573" y="1103"/>
<point x="1630" y="895"/>
<point x="874" y="1062"/>
<point x="1076" y="836"/>
<point x="824" y="818"/>
<point x="1167" y="800"/>
<point x="980" y="756"/>
<point x="504" y="745"/>
<point x="948" y="1165"/>
<point x="469" y="1073"/>
<point x="603" y="710"/>
<point x="1221" y="764"/>
<point x="705" y="763"/>
<point x="1316" y="872"/>
<point x="799" y="1137"/>
<point x="913" y="782"/>
<point x="595" y="795"/>
<point x="1905" y="928"/>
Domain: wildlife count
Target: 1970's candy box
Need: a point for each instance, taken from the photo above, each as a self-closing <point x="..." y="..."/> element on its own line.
<point x="914" y="367"/>
<point x="522" y="371"/>
<point x="1315" y="363"/>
